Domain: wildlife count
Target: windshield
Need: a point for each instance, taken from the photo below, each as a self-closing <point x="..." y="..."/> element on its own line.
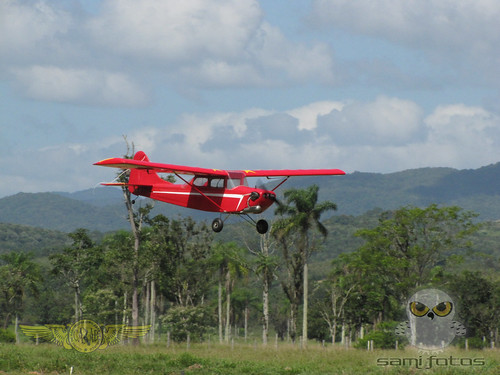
<point x="236" y="179"/>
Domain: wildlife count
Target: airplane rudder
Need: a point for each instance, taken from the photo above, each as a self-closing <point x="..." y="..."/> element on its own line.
<point x="141" y="155"/>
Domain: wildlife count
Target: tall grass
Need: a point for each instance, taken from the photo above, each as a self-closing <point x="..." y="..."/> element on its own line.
<point x="225" y="359"/>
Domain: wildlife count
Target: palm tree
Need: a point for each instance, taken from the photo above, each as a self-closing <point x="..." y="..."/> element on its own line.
<point x="301" y="218"/>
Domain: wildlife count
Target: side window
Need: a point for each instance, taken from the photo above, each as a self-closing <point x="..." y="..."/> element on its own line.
<point x="217" y="183"/>
<point x="200" y="181"/>
<point x="234" y="182"/>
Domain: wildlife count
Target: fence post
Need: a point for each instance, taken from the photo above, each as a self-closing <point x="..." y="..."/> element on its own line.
<point x="188" y="341"/>
<point x="168" y="339"/>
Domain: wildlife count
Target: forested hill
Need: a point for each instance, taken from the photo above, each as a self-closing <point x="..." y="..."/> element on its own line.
<point x="102" y="209"/>
<point x="477" y="190"/>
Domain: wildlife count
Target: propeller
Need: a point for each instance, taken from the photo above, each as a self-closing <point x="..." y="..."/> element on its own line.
<point x="274" y="198"/>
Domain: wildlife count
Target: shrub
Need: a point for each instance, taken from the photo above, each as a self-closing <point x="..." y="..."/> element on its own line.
<point x="7" y="336"/>
<point x="181" y="321"/>
<point x="473" y="343"/>
<point x="383" y="338"/>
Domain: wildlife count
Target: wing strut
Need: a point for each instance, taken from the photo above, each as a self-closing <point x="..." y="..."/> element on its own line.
<point x="281" y="183"/>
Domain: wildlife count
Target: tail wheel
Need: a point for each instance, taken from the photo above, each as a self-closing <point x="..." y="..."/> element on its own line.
<point x="217" y="225"/>
<point x="262" y="226"/>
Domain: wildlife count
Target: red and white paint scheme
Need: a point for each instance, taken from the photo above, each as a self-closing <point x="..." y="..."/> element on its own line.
<point x="213" y="190"/>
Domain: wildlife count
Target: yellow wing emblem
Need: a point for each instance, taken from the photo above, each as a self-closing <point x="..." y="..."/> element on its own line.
<point x="114" y="333"/>
<point x="84" y="335"/>
<point x="56" y="333"/>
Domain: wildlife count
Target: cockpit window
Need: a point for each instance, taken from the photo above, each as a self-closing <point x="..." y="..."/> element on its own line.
<point x="200" y="181"/>
<point x="236" y="179"/>
<point x="217" y="183"/>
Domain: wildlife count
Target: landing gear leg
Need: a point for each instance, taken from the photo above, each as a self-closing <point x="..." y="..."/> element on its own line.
<point x="262" y="226"/>
<point x="217" y="225"/>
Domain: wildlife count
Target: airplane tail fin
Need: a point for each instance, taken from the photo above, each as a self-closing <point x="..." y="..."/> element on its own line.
<point x="141" y="181"/>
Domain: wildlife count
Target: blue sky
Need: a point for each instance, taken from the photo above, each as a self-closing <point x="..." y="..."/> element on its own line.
<point x="368" y="85"/>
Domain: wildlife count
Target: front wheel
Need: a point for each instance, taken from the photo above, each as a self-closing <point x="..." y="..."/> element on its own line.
<point x="217" y="225"/>
<point x="262" y="226"/>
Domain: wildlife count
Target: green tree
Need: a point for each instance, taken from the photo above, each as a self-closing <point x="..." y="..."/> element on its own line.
<point x="75" y="263"/>
<point x="335" y="294"/>
<point x="181" y="251"/>
<point x="229" y="264"/>
<point x="407" y="249"/>
<point x="295" y="232"/>
<point x="182" y="321"/>
<point x="265" y="266"/>
<point x="478" y="299"/>
<point x="408" y="244"/>
<point x="176" y="260"/>
<point x="18" y="276"/>
<point x="136" y="219"/>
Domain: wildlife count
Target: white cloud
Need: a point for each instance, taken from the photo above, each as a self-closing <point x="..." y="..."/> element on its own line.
<point x="209" y="43"/>
<point x="291" y="61"/>
<point x="384" y="121"/>
<point x="31" y="30"/>
<point x="425" y="23"/>
<point x="402" y="136"/>
<point x="464" y="135"/>
<point x="456" y="33"/>
<point x="134" y="45"/>
<point x="173" y="31"/>
<point x="51" y="83"/>
<point x="308" y="114"/>
<point x="382" y="135"/>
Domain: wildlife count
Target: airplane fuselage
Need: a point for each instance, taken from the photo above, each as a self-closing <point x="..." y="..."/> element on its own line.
<point x="239" y="199"/>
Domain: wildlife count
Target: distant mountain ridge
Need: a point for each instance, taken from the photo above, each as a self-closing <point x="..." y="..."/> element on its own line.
<point x="102" y="208"/>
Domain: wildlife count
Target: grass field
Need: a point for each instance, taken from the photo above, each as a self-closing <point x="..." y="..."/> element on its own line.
<point x="242" y="359"/>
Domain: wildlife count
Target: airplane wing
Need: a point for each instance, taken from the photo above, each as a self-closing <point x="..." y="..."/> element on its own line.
<point x="292" y="172"/>
<point x="159" y="167"/>
<point x="141" y="161"/>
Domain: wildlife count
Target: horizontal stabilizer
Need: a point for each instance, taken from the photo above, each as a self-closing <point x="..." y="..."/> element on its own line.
<point x="114" y="184"/>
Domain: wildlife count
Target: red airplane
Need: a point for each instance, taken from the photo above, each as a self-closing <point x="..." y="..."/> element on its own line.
<point x="211" y="190"/>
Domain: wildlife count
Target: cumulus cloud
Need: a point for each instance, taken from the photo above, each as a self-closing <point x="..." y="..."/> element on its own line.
<point x="131" y="45"/>
<point x="398" y="135"/>
<point x="308" y="115"/>
<point x="173" y="31"/>
<point x="456" y="33"/>
<point x="386" y="134"/>
<point x="463" y="135"/>
<point x="384" y="121"/>
<point x="424" y="23"/>
<point x="87" y="86"/>
<point x="32" y="30"/>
